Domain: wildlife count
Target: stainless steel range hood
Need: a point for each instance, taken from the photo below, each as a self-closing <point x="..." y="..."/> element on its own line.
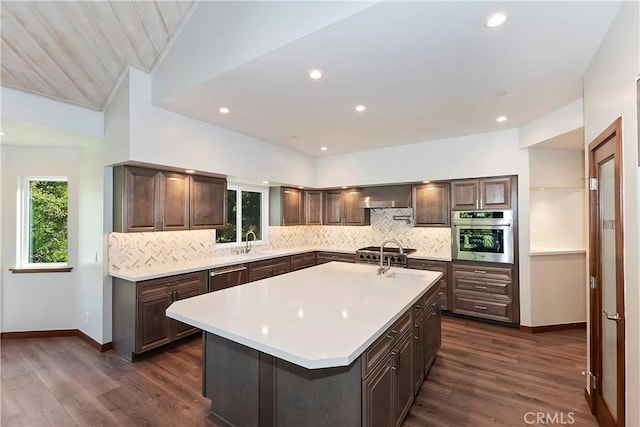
<point x="388" y="196"/>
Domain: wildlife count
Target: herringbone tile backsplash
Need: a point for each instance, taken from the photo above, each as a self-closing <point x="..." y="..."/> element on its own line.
<point x="131" y="250"/>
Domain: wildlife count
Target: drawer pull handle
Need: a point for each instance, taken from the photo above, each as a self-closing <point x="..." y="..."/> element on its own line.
<point x="415" y="337"/>
<point x="480" y="307"/>
<point x="479" y="287"/>
<point x="393" y="331"/>
<point x="390" y="336"/>
<point x="480" y="271"/>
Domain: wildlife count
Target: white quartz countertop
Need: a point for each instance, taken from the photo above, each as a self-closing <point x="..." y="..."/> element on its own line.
<point x="319" y="317"/>
<point x="161" y="270"/>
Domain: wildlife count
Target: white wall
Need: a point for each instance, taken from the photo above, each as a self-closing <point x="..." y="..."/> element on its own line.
<point x="562" y="120"/>
<point x="162" y="137"/>
<point x="610" y="92"/>
<point x="41" y="301"/>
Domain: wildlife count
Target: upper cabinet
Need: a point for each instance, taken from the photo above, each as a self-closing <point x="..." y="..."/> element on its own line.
<point x="485" y="193"/>
<point x="286" y="206"/>
<point x="154" y="200"/>
<point x="342" y="207"/>
<point x="208" y="202"/>
<point x="431" y="205"/>
<point x="313" y="207"/>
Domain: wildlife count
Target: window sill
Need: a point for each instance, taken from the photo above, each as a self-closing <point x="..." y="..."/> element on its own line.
<point x="41" y="270"/>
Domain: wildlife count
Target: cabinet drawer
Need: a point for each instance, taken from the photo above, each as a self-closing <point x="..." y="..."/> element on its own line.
<point x="324" y="257"/>
<point x="269" y="268"/>
<point x="482" y="272"/>
<point x="383" y="345"/>
<point x="486" y="286"/>
<point x="495" y="309"/>
<point x="422" y="264"/>
<point x="197" y="279"/>
<point x="300" y="261"/>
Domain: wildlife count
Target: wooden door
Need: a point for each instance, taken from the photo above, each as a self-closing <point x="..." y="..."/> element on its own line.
<point x="141" y="195"/>
<point x="333" y="213"/>
<point x="292" y="206"/>
<point x="465" y="195"/>
<point x="153" y="326"/>
<point x="405" y="381"/>
<point x="208" y="202"/>
<point x="174" y="201"/>
<point x="313" y="207"/>
<point x="606" y="269"/>
<point x="431" y="205"/>
<point x="378" y="396"/>
<point x="495" y="193"/>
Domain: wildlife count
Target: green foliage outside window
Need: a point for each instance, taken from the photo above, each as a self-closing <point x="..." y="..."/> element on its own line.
<point x="228" y="234"/>
<point x="48" y="212"/>
<point x="251" y="216"/>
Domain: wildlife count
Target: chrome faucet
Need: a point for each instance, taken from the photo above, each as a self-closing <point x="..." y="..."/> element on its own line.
<point x="247" y="248"/>
<point x="382" y="269"/>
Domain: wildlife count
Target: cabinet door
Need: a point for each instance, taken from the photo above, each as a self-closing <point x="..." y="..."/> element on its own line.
<point x="268" y="268"/>
<point x="465" y="195"/>
<point x="182" y="329"/>
<point x="153" y="326"/>
<point x="419" y="346"/>
<point x="333" y="207"/>
<point x="174" y="201"/>
<point x="495" y="193"/>
<point x="300" y="261"/>
<point x="431" y="205"/>
<point x="443" y="283"/>
<point x="208" y="202"/>
<point x="324" y="257"/>
<point x="292" y="206"/>
<point x="141" y="194"/>
<point x="378" y="397"/>
<point x="433" y="332"/>
<point x="313" y="207"/>
<point x="353" y="213"/>
<point x="405" y="382"/>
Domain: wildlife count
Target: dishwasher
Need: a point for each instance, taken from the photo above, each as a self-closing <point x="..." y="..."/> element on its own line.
<point x="227" y="277"/>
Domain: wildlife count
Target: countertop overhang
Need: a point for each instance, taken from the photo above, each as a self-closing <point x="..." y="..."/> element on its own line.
<point x="320" y="317"/>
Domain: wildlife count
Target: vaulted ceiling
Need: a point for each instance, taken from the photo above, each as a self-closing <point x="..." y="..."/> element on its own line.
<point x="425" y="70"/>
<point x="75" y="51"/>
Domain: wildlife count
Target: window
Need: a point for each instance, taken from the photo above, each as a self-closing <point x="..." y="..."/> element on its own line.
<point x="43" y="213"/>
<point x="247" y="211"/>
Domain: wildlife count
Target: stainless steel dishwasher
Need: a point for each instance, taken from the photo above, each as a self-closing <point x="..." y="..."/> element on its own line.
<point x="226" y="277"/>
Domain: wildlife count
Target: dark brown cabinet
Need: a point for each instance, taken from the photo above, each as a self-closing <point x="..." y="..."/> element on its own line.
<point x="485" y="291"/>
<point x="286" y="206"/>
<point x="342" y="207"/>
<point x="313" y="207"/>
<point x="443" y="283"/>
<point x="305" y="260"/>
<point x="208" y="202"/>
<point x="269" y="267"/>
<point x="228" y="277"/>
<point x="426" y="334"/>
<point x="431" y="205"/>
<point x="139" y="320"/>
<point x="433" y="331"/>
<point x="324" y="257"/>
<point x="485" y="193"/>
<point x="155" y="200"/>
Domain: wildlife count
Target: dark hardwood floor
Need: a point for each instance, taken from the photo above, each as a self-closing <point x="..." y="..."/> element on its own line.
<point x="484" y="375"/>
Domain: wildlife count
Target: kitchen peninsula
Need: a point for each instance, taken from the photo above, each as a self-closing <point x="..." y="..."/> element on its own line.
<point x="334" y="344"/>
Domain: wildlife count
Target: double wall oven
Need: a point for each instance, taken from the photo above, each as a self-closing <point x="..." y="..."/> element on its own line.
<point x="483" y="236"/>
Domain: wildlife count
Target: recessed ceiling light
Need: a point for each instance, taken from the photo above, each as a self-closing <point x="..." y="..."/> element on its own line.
<point x="501" y="119"/>
<point x="501" y="93"/>
<point x="360" y="108"/>
<point x="495" y="20"/>
<point x="224" y="110"/>
<point x="324" y="148"/>
<point x="265" y="182"/>
<point x="426" y="182"/>
<point x="190" y="171"/>
<point x="301" y="188"/>
<point x="315" y="74"/>
<point x="344" y="188"/>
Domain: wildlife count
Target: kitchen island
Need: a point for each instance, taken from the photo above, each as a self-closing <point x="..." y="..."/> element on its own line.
<point x="334" y="344"/>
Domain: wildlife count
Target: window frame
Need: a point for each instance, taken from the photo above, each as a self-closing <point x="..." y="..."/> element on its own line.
<point x="264" y="215"/>
<point x="23" y="225"/>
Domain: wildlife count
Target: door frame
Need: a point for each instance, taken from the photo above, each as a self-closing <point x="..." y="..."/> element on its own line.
<point x="613" y="132"/>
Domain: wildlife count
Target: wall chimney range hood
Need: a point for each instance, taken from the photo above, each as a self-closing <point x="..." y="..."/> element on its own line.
<point x="388" y="196"/>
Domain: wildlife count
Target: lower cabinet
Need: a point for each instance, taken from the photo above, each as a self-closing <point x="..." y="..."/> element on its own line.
<point x="269" y="267"/>
<point x="139" y="320"/>
<point x="443" y="283"/>
<point x="426" y="334"/>
<point x="324" y="257"/>
<point x="305" y="260"/>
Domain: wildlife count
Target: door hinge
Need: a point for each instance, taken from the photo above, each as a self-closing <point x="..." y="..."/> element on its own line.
<point x="593" y="184"/>
<point x="592" y="282"/>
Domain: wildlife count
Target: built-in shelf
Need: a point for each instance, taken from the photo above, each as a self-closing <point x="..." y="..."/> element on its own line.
<point x="555" y="251"/>
<point x="557" y="188"/>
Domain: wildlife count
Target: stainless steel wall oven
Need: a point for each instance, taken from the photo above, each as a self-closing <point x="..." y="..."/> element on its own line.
<point x="483" y="236"/>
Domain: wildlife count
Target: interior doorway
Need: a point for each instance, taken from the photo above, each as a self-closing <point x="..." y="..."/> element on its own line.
<point x="606" y="269"/>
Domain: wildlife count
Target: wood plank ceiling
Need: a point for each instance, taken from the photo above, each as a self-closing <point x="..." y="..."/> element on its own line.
<point x="75" y="51"/>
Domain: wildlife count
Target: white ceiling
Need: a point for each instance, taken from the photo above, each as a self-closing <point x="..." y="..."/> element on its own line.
<point x="425" y="70"/>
